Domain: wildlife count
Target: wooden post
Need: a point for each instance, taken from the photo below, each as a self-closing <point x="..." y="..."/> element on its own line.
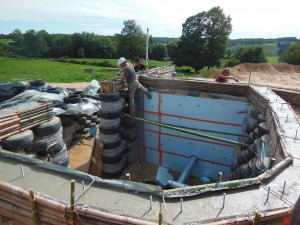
<point x="160" y="217"/>
<point x="36" y="220"/>
<point x="72" y="202"/>
<point x="257" y="218"/>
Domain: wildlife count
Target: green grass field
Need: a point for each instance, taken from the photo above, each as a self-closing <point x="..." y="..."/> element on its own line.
<point x="5" y="41"/>
<point x="273" y="59"/>
<point x="20" y="69"/>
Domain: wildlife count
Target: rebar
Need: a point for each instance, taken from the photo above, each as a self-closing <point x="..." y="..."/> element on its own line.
<point x="188" y="131"/>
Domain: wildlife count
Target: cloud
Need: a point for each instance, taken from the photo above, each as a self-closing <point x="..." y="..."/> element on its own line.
<point x="256" y="18"/>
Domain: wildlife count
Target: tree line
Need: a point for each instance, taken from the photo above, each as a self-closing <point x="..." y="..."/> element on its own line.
<point x="203" y="43"/>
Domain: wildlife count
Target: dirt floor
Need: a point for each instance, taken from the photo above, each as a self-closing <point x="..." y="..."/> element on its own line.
<point x="273" y="75"/>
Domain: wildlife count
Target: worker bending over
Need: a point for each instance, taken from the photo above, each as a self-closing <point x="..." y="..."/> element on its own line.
<point x="132" y="82"/>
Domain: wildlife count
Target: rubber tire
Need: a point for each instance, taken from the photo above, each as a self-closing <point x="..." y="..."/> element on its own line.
<point x="250" y="138"/>
<point x="41" y="147"/>
<point x="37" y="83"/>
<point x="261" y="118"/>
<point x="128" y="122"/>
<point x="123" y="94"/>
<point x="82" y="120"/>
<point x="263" y="129"/>
<point x="129" y="134"/>
<point x="113" y="169"/>
<point x="254" y="112"/>
<point x="109" y="130"/>
<point x="98" y="121"/>
<point x="94" y="119"/>
<point x="85" y="130"/>
<point x="88" y="123"/>
<point x="81" y="93"/>
<point x="61" y="158"/>
<point x="109" y="97"/>
<point x="48" y="128"/>
<point x="113" y="159"/>
<point x="18" y="141"/>
<point x="72" y="99"/>
<point x="109" y="115"/>
<point x="65" y="122"/>
<point x="80" y="129"/>
<point x="255" y="133"/>
<point x="112" y="145"/>
<point x="53" y="91"/>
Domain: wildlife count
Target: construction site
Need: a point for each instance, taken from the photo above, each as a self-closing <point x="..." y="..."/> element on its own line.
<point x="196" y="152"/>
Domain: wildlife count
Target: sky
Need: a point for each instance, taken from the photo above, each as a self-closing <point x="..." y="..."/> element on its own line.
<point x="164" y="18"/>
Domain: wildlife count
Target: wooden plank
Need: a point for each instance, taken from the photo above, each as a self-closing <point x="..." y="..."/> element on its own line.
<point x="110" y="86"/>
<point x="95" y="158"/>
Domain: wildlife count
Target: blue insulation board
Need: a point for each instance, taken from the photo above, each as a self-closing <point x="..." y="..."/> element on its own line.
<point x="193" y="112"/>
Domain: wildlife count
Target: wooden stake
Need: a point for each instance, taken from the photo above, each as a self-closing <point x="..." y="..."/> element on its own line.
<point x="257" y="218"/>
<point x="36" y="219"/>
<point x="72" y="202"/>
<point x="160" y="217"/>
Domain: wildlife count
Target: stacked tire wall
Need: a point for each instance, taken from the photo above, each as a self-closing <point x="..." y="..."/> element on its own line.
<point x="112" y="157"/>
<point x="45" y="141"/>
<point x="255" y="159"/>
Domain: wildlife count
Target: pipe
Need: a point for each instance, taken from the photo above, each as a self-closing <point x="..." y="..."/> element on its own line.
<point x="8" y="119"/>
<point x="9" y="129"/>
<point x="28" y="126"/>
<point x="147" y="44"/>
<point x="9" y="123"/>
<point x="200" y="189"/>
<point x="176" y="184"/>
<point x="188" y="131"/>
<point x="36" y="114"/>
<point x="211" y="131"/>
<point x="187" y="170"/>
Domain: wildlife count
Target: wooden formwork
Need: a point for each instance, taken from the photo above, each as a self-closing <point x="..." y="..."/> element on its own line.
<point x="17" y="204"/>
<point x="194" y="85"/>
<point x="110" y="86"/>
<point x="293" y="97"/>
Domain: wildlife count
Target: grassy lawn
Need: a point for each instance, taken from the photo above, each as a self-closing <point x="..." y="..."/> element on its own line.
<point x="20" y="69"/>
<point x="5" y="41"/>
<point x="273" y="59"/>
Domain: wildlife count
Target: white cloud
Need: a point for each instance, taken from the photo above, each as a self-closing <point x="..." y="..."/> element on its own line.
<point x="256" y="18"/>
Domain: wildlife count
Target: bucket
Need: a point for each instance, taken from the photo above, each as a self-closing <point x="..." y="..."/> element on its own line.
<point x="93" y="131"/>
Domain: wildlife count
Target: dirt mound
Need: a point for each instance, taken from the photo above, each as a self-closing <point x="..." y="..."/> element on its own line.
<point x="280" y="75"/>
<point x="265" y="68"/>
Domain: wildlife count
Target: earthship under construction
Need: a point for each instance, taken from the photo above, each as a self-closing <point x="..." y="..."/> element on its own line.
<point x="204" y="152"/>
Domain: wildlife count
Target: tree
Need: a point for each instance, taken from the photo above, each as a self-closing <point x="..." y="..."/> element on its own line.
<point x="131" y="41"/>
<point x="17" y="38"/>
<point x="106" y="47"/>
<point x="34" y="44"/>
<point x="292" y="55"/>
<point x="172" y="48"/>
<point x="77" y="43"/>
<point x="61" y="46"/>
<point x="159" y="52"/>
<point x="231" y="62"/>
<point x="204" y="39"/>
<point x="251" y="54"/>
<point x="80" y="53"/>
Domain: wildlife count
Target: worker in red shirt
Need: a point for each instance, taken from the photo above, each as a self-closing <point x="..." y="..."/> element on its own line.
<point x="224" y="76"/>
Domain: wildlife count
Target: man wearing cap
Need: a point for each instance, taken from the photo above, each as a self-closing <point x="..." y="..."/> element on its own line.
<point x="133" y="84"/>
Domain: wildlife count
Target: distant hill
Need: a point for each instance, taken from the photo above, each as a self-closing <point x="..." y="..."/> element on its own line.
<point x="272" y="46"/>
<point x="163" y="40"/>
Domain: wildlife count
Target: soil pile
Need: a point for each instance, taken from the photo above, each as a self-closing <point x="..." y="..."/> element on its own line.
<point x="280" y="75"/>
